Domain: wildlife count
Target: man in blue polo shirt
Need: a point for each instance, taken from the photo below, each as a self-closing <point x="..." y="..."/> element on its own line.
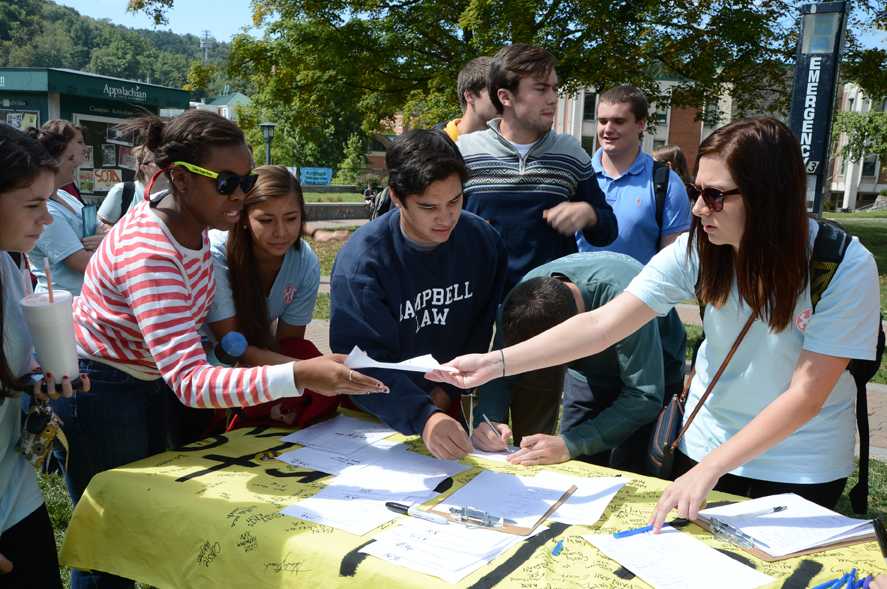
<point x="625" y="174"/>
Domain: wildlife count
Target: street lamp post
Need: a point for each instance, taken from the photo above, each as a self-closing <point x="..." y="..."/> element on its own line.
<point x="268" y="135"/>
<point x="814" y="90"/>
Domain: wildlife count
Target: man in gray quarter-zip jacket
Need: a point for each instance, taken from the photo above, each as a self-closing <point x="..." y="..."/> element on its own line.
<point x="534" y="186"/>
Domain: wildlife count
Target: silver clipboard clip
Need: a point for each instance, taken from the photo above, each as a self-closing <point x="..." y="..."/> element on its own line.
<point x="470" y="516"/>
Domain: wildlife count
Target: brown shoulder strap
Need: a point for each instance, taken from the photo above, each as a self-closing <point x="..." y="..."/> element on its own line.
<point x="711" y="385"/>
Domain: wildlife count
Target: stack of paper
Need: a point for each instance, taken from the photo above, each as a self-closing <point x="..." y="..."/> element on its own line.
<point x="449" y="552"/>
<point x="501" y="456"/>
<point x="342" y="435"/>
<point x="524" y="499"/>
<point x="586" y="505"/>
<point x="801" y="525"/>
<point x="355" y="500"/>
<point x="674" y="560"/>
<point x="369" y="471"/>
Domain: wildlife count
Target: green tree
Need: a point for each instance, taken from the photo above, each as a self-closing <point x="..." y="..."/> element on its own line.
<point x="355" y="162"/>
<point x="866" y="133"/>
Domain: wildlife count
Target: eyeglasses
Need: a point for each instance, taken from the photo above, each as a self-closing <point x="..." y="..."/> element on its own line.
<point x="712" y="197"/>
<point x="226" y="182"/>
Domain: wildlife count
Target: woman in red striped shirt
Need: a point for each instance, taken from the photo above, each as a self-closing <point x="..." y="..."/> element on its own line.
<point x="147" y="292"/>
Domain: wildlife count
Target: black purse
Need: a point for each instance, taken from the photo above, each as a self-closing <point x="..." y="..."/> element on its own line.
<point x="667" y="431"/>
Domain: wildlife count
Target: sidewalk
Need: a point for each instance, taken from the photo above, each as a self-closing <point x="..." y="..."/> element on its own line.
<point x="318" y="332"/>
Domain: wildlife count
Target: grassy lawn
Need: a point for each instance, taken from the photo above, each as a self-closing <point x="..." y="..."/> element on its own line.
<point x="322" y="307"/>
<point x="333" y="197"/>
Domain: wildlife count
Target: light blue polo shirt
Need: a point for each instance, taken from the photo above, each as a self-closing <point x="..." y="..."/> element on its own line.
<point x="633" y="198"/>
<point x="292" y="295"/>
<point x="844" y="325"/>
<point x="59" y="240"/>
<point x="19" y="494"/>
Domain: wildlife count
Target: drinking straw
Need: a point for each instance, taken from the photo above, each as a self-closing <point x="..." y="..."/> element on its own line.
<point x="48" y="273"/>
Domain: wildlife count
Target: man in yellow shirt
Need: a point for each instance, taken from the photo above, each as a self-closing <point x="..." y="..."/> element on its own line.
<point x="474" y="99"/>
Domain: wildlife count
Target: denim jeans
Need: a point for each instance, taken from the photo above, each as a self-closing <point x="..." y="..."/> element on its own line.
<point x="120" y="420"/>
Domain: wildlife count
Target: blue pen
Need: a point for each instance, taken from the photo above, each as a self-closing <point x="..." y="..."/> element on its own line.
<point x="557" y="548"/>
<point x="634" y="532"/>
<point x="833" y="583"/>
<point x="851" y="582"/>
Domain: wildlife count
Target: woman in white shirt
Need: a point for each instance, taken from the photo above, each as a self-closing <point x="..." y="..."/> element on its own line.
<point x="781" y="417"/>
<point x="64" y="243"/>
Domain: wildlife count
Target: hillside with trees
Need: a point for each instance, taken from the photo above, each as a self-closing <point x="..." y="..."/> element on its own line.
<point x="41" y="33"/>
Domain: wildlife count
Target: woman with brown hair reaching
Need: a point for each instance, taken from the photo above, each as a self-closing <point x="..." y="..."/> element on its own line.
<point x="781" y="417"/>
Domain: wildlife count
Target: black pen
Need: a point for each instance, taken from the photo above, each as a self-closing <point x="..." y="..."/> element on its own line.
<point x="882" y="536"/>
<point x="414" y="511"/>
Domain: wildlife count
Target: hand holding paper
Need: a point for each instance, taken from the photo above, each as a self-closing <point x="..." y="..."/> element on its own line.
<point x="360" y="359"/>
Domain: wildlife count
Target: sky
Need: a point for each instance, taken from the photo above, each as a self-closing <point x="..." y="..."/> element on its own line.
<point x="186" y="16"/>
<point x="195" y="16"/>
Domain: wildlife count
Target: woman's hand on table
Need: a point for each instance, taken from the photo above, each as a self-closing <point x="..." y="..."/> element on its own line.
<point x="687" y="494"/>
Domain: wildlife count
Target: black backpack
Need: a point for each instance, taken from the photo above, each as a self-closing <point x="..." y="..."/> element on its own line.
<point x="382" y="203"/>
<point x="661" y="172"/>
<point x="828" y="251"/>
<point x="129" y="190"/>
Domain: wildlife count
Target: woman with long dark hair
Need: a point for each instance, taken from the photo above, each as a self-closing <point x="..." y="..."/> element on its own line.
<point x="267" y="278"/>
<point x="781" y="417"/>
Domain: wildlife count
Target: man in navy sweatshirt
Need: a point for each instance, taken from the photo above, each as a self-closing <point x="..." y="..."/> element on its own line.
<point x="424" y="278"/>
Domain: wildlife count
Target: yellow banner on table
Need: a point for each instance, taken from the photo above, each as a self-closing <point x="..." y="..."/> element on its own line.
<point x="208" y="515"/>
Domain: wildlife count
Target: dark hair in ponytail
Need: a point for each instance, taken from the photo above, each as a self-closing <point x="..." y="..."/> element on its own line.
<point x="22" y="159"/>
<point x="190" y="137"/>
<point x="55" y="135"/>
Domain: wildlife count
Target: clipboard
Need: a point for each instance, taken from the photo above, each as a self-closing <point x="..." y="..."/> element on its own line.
<point x="760" y="554"/>
<point x="511" y="528"/>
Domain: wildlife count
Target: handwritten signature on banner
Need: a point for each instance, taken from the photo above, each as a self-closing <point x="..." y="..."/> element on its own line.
<point x="231" y="489"/>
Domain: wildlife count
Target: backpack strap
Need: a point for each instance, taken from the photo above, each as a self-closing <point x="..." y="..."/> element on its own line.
<point x="829" y="248"/>
<point x="129" y="190"/>
<point x="661" y="172"/>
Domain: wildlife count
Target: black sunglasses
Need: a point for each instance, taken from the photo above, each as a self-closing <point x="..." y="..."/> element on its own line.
<point x="712" y="197"/>
<point x="226" y="182"/>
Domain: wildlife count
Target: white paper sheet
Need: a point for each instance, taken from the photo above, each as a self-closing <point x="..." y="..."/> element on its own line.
<point x="355" y="500"/>
<point x="341" y="434"/>
<point x="587" y="504"/>
<point x="801" y="526"/>
<point x="351" y="509"/>
<point x="450" y="552"/>
<point x="674" y="560"/>
<point x="359" y="359"/>
<point x="513" y="497"/>
<point x="494" y="456"/>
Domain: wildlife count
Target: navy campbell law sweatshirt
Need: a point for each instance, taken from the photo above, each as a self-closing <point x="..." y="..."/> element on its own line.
<point x="397" y="301"/>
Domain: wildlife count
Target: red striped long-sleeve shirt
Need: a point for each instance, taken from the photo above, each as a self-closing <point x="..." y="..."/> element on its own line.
<point x="144" y="299"/>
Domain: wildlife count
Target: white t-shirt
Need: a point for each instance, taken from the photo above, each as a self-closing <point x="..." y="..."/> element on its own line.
<point x="110" y="211"/>
<point x="523" y="148"/>
<point x="59" y="241"/>
<point x="19" y="494"/>
<point x="844" y="325"/>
